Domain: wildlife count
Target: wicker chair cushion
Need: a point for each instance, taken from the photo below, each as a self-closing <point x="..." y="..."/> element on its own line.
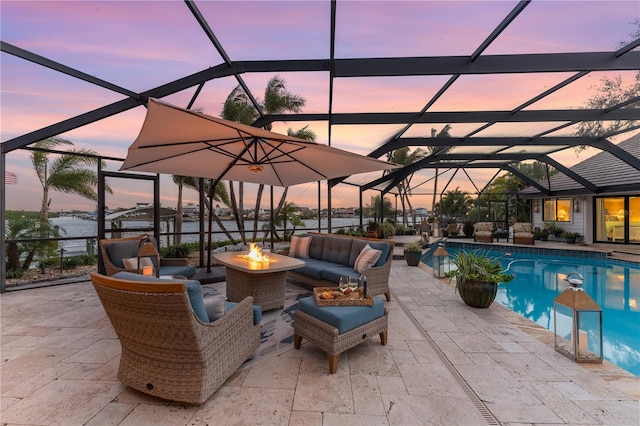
<point x="122" y="250"/>
<point x="215" y="306"/>
<point x="257" y="311"/>
<point x="367" y="257"/>
<point x="344" y="318"/>
<point x="300" y="247"/>
<point x="132" y="262"/>
<point x="522" y="227"/>
<point x="194" y="291"/>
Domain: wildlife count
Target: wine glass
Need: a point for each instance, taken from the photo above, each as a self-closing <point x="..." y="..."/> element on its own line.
<point x="343" y="284"/>
<point x="352" y="283"/>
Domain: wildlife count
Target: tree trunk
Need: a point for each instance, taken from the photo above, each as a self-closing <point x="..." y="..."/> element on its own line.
<point x="257" y="211"/>
<point x="13" y="256"/>
<point x="177" y="238"/>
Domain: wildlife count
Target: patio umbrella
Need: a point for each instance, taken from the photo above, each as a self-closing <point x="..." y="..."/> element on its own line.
<point x="178" y="141"/>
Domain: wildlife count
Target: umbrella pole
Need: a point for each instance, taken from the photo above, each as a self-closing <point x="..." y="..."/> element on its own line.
<point x="271" y="186"/>
<point x="209" y="237"/>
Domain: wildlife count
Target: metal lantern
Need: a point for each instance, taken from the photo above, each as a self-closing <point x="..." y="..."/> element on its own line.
<point x="147" y="250"/>
<point x="440" y="261"/>
<point x="577" y="323"/>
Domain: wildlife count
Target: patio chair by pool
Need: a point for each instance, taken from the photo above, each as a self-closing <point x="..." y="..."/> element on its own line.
<point x="483" y="232"/>
<point x="169" y="349"/>
<point x="115" y="251"/>
<point x="522" y="233"/>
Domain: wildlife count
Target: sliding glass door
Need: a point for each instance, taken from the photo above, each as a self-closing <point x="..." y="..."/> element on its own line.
<point x="617" y="219"/>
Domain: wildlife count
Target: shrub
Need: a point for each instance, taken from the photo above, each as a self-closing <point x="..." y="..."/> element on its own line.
<point x="180" y="251"/>
<point x="15" y="273"/>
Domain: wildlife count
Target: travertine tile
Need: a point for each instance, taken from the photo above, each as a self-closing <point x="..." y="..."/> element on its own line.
<point x="30" y="364"/>
<point x="317" y="390"/>
<point x="112" y="415"/>
<point x="245" y="406"/>
<point x="159" y="415"/>
<point x="70" y="402"/>
<point x="416" y="410"/>
<point x="391" y="385"/>
<point x="366" y="395"/>
<point x="275" y="373"/>
<point x="305" y="418"/>
<point x="354" y="419"/>
<point x="102" y="351"/>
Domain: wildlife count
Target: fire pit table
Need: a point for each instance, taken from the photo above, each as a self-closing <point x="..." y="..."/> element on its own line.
<point x="264" y="281"/>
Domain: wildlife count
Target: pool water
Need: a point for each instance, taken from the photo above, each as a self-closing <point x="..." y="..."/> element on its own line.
<point x="614" y="285"/>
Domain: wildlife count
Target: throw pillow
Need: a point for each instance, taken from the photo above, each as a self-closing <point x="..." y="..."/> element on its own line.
<point x="132" y="263"/>
<point x="300" y="247"/>
<point x="368" y="256"/>
<point x="214" y="304"/>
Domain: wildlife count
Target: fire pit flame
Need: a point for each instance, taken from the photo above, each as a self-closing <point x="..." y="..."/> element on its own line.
<point x="255" y="254"/>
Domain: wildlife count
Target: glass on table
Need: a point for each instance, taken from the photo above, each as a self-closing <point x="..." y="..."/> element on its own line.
<point x="353" y="283"/>
<point x="343" y="284"/>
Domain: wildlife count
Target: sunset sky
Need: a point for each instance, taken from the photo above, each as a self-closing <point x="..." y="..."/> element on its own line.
<point x="139" y="45"/>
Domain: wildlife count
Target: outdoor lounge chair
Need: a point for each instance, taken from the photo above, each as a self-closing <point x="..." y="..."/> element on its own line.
<point x="522" y="233"/>
<point x="483" y="232"/>
<point x="167" y="350"/>
<point x="114" y="251"/>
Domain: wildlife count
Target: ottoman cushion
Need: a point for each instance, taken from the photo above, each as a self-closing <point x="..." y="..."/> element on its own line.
<point x="344" y="318"/>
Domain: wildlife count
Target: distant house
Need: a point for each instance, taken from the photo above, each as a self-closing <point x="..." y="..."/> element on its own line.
<point x="601" y="200"/>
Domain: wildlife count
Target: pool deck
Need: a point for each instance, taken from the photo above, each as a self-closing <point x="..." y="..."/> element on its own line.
<point x="444" y="364"/>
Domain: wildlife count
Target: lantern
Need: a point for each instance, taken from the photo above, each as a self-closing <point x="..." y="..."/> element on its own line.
<point x="440" y="259"/>
<point x="148" y="258"/>
<point x="577" y="323"/>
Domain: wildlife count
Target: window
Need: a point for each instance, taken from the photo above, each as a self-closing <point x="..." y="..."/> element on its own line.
<point x="618" y="219"/>
<point x="558" y="210"/>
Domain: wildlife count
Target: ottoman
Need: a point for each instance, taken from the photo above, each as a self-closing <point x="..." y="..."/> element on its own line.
<point x="334" y="329"/>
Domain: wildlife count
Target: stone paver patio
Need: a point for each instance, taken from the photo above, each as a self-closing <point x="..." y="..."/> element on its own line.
<point x="445" y="364"/>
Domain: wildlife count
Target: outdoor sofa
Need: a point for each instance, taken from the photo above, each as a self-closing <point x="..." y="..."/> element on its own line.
<point x="114" y="252"/>
<point x="327" y="257"/>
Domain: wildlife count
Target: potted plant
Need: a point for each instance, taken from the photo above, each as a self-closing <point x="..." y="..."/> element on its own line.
<point x="412" y="254"/>
<point x="572" y="237"/>
<point x="373" y="229"/>
<point x="553" y="228"/>
<point x="477" y="276"/>
<point x="541" y="234"/>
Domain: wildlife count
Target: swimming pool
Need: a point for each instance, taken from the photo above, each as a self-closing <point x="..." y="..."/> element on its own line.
<point x="539" y="279"/>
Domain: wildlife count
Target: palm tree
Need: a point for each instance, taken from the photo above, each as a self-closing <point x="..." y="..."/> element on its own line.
<point x="65" y="173"/>
<point x="405" y="157"/>
<point x="181" y="181"/>
<point x="444" y="133"/>
<point x="238" y="107"/>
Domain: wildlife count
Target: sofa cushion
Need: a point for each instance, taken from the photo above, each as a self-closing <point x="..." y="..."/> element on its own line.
<point x="385" y="248"/>
<point x="337" y="250"/>
<point x="257" y="311"/>
<point x="300" y="247"/>
<point x="356" y="249"/>
<point x="484" y="227"/>
<point x="316" y="247"/>
<point x="335" y="271"/>
<point x="194" y="291"/>
<point x="367" y="258"/>
<point x="344" y="318"/>
<point x="313" y="268"/>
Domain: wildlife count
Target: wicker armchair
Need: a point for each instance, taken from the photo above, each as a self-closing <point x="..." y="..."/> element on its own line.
<point x="483" y="232"/>
<point x="167" y="351"/>
<point x="114" y="250"/>
<point x="522" y="233"/>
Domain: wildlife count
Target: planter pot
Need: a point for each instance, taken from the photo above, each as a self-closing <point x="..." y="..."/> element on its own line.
<point x="412" y="257"/>
<point x="570" y="240"/>
<point x="372" y="234"/>
<point x="478" y="294"/>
